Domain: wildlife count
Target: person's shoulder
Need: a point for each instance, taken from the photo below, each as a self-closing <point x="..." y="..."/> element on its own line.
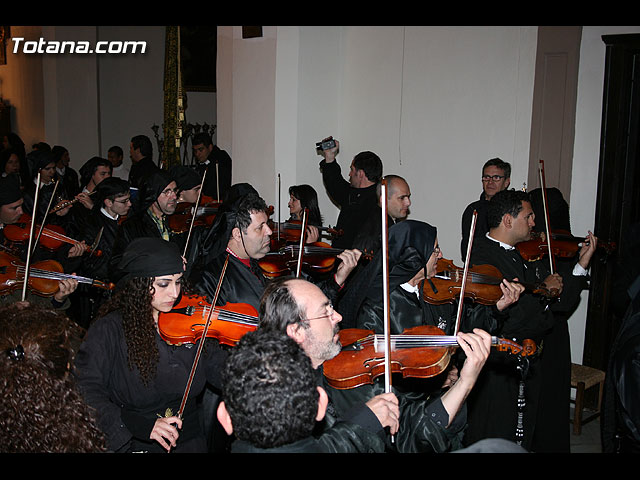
<point x="107" y="326"/>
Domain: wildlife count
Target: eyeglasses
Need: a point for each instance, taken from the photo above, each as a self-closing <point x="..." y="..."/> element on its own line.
<point x="495" y="178"/>
<point x="169" y="191"/>
<point x="123" y="201"/>
<point x="331" y="311"/>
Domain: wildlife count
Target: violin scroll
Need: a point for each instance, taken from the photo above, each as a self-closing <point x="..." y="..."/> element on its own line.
<point x="527" y="349"/>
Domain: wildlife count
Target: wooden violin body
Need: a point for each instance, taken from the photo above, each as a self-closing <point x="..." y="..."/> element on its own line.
<point x="419" y="352"/>
<point x="317" y="258"/>
<point x="483" y="285"/>
<point x="52" y="238"/>
<point x="186" y="321"/>
<point x="563" y="245"/>
<point x="291" y="230"/>
<point x="43" y="279"/>
<point x="186" y="213"/>
<point x="362" y="358"/>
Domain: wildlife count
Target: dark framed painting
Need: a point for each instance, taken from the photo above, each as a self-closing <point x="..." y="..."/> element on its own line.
<point x="198" y="48"/>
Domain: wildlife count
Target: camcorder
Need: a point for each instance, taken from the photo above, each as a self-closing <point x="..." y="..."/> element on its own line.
<point x="326" y="144"/>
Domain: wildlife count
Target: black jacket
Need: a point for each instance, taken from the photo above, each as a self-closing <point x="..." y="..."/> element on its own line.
<point x="356" y="204"/>
<point x="216" y="180"/>
<point x="126" y="408"/>
<point x="139" y="225"/>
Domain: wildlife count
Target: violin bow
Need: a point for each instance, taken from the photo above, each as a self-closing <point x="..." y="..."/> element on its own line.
<point x="202" y="340"/>
<point x="465" y="273"/>
<point x="44" y="220"/>
<point x="304" y="227"/>
<point x="385" y="290"/>
<point x="217" y="182"/>
<point x="278" y="201"/>
<point x="95" y="243"/>
<point x="552" y="264"/>
<point x="26" y="265"/>
<point x="195" y="213"/>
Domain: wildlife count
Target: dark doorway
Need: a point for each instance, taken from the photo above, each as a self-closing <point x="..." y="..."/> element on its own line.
<point x="618" y="194"/>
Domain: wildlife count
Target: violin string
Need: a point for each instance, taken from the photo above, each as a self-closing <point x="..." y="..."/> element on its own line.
<point x="475" y="277"/>
<point x="415" y="341"/>
<point x="226" y="315"/>
<point x="310" y="249"/>
<point x="53" y="275"/>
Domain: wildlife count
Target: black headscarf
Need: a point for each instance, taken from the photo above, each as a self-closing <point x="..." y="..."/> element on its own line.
<point x="152" y="187"/>
<point x="9" y="190"/>
<point x="108" y="188"/>
<point x="186" y="177"/>
<point x="147" y="257"/>
<point x="220" y="232"/>
<point x="411" y="243"/>
<point x="41" y="159"/>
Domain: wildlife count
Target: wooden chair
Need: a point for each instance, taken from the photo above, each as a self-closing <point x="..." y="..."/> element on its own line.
<point x="583" y="378"/>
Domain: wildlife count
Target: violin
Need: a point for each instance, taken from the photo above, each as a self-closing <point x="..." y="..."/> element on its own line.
<point x="563" y="245"/>
<point x="43" y="279"/>
<point x="482" y="286"/>
<point x="52" y="238"/>
<point x="418" y="352"/>
<point x="186" y="321"/>
<point x="186" y="212"/>
<point x="317" y="258"/>
<point x="291" y="230"/>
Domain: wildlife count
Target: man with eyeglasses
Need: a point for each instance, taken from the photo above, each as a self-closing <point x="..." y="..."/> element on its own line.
<point x="418" y="423"/>
<point x="302" y="311"/>
<point x="496" y="176"/>
<point x="158" y="199"/>
<point x="112" y="203"/>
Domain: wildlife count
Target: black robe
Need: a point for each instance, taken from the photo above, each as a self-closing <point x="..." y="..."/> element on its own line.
<point x="126" y="408"/>
<point x="620" y="408"/>
<point x="216" y="184"/>
<point x="493" y="410"/>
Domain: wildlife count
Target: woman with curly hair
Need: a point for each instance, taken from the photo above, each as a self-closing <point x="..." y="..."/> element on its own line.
<point x="129" y="374"/>
<point x="42" y="412"/>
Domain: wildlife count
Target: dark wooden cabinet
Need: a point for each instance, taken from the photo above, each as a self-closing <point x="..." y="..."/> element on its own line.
<point x="618" y="190"/>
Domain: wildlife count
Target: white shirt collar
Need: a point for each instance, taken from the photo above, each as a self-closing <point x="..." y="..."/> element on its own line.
<point x="502" y="244"/>
<point x="106" y="214"/>
<point x="411" y="288"/>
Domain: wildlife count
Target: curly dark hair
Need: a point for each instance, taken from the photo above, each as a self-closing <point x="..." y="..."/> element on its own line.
<point x="42" y="411"/>
<point x="250" y="203"/>
<point x="133" y="300"/>
<point x="269" y="390"/>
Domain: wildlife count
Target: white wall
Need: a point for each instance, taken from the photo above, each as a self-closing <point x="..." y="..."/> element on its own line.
<point x="71" y="99"/>
<point x="433" y="102"/>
